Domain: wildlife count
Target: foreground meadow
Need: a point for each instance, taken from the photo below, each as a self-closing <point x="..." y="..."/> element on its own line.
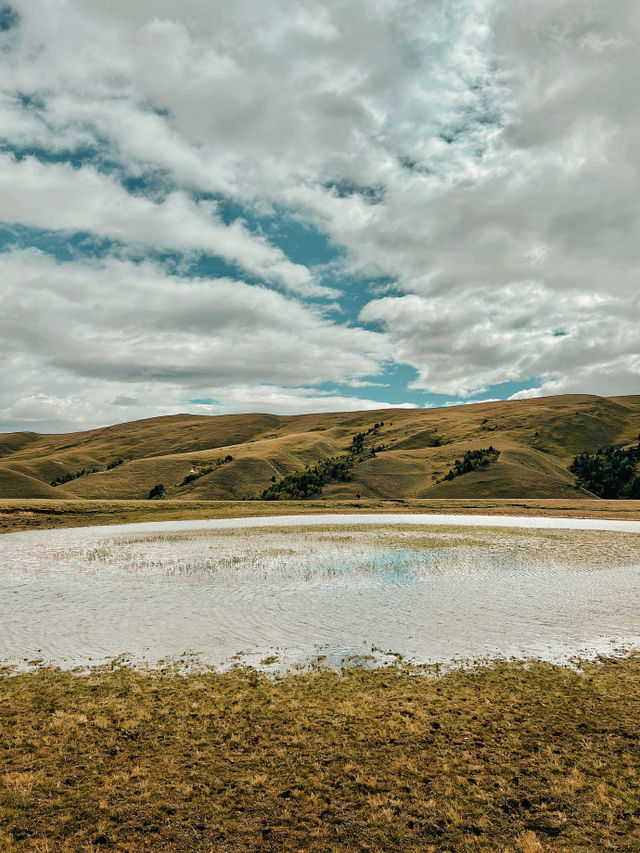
<point x="507" y="757"/>
<point x="510" y="757"/>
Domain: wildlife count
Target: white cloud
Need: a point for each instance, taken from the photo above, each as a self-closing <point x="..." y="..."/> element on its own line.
<point x="482" y="154"/>
<point x="285" y="401"/>
<point x="530" y="270"/>
<point x="39" y="408"/>
<point x="270" y="102"/>
<point x="91" y="407"/>
<point x="59" y="196"/>
<point x="490" y="335"/>
<point x="110" y="333"/>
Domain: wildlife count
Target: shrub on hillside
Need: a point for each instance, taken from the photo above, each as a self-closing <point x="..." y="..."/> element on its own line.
<point x="206" y="469"/>
<point x="333" y="469"/>
<point x="471" y="461"/>
<point x="67" y="478"/>
<point x="83" y="472"/>
<point x="307" y="483"/>
<point x="609" y="473"/>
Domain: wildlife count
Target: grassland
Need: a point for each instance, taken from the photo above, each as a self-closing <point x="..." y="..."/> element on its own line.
<point x="509" y="757"/>
<point x="501" y="758"/>
<point x="45" y="514"/>
<point x="537" y="440"/>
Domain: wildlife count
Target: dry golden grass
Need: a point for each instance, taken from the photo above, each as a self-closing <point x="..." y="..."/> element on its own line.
<point x="508" y="757"/>
<point x="27" y="514"/>
<point x="538" y="439"/>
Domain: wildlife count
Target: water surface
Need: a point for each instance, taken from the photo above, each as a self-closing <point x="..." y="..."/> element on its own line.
<point x="285" y="592"/>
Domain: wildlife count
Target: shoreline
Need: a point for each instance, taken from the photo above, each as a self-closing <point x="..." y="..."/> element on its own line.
<point x="497" y="755"/>
<point x="190" y="665"/>
<point x="313" y="519"/>
<point x="36" y="514"/>
<point x="521" y="757"/>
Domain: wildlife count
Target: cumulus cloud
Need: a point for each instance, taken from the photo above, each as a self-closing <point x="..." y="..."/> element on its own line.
<point x="122" y="327"/>
<point x="278" y="102"/>
<point x="290" y="401"/>
<point x="90" y="405"/>
<point x="59" y="196"/>
<point x="480" y="156"/>
<point x="576" y="341"/>
<point x="530" y="270"/>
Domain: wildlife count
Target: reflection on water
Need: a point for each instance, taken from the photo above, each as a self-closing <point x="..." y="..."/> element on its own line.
<point x="283" y="597"/>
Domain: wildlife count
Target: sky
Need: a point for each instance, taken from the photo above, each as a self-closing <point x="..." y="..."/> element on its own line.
<point x="213" y="207"/>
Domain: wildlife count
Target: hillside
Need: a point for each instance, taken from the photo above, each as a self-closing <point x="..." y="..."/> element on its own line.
<point x="537" y="440"/>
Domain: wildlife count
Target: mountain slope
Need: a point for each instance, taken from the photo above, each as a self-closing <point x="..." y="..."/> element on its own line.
<point x="537" y="439"/>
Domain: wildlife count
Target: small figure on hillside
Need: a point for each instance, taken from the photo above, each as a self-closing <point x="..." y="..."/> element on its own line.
<point x="358" y="495"/>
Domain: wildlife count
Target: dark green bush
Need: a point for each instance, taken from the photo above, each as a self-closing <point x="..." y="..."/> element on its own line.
<point x="471" y="461"/>
<point x="67" y="478"/>
<point x="609" y="473"/>
<point x="333" y="469"/>
<point x="206" y="469"/>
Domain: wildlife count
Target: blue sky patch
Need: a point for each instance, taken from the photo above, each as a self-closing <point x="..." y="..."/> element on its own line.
<point x="9" y="18"/>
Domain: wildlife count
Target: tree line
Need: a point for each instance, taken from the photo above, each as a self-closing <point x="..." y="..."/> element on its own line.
<point x="83" y="472"/>
<point x="609" y="472"/>
<point x="333" y="469"/>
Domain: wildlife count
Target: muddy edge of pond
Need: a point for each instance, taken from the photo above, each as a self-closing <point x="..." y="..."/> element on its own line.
<point x="507" y="757"/>
<point x="23" y="514"/>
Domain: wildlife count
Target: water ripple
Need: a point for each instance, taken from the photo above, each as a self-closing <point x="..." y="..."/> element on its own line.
<point x="253" y="593"/>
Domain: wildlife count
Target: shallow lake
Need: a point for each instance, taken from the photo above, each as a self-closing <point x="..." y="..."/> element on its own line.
<point x="280" y="593"/>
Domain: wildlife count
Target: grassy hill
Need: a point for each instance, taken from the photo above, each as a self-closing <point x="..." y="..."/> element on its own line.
<point x="537" y="440"/>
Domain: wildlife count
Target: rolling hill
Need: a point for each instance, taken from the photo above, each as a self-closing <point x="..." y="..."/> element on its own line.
<point x="416" y="448"/>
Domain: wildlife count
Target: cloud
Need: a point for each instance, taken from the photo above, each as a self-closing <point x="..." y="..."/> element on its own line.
<point x="43" y="407"/>
<point x="530" y="269"/>
<point x="46" y="413"/>
<point x="266" y="104"/>
<point x="478" y="158"/>
<point x="117" y="330"/>
<point x="574" y="340"/>
<point x="59" y="196"/>
<point x="270" y="398"/>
